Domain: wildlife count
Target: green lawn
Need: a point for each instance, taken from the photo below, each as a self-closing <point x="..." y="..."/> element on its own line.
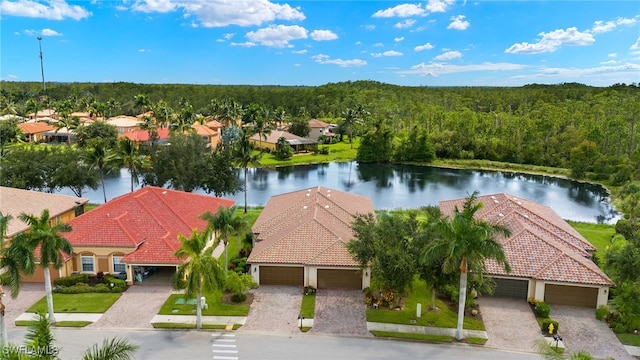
<point x="599" y="235"/>
<point x="58" y="324"/>
<point x="409" y="336"/>
<point x="78" y="303"/>
<point x="215" y="306"/>
<point x="341" y="151"/>
<point x="629" y="339"/>
<point x="420" y="293"/>
<point x="251" y="216"/>
<point x="308" y="307"/>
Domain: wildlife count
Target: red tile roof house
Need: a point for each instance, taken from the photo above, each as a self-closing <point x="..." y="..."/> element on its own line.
<point x="550" y="261"/>
<point x="138" y="230"/>
<point x="301" y="236"/>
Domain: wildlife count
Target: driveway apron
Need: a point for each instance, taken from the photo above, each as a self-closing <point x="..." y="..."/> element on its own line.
<point x="135" y="308"/>
<point x="510" y="324"/>
<point x="29" y="294"/>
<point x="274" y="309"/>
<point x="580" y="330"/>
<point x="340" y="312"/>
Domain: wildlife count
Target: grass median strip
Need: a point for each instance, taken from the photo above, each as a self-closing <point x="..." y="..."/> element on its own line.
<point x="95" y="303"/>
<point x="58" y="324"/>
<point x="308" y="307"/>
<point x="165" y="325"/>
<point x="215" y="307"/>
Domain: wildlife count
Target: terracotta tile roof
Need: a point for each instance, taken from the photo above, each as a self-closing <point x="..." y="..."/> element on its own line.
<point x="30" y="128"/>
<point x="148" y="220"/>
<point x="315" y="123"/>
<point x="309" y="226"/>
<point x="542" y="245"/>
<point x="213" y="124"/>
<point x="143" y="135"/>
<point x="17" y="201"/>
<point x="123" y="121"/>
<point x="204" y="130"/>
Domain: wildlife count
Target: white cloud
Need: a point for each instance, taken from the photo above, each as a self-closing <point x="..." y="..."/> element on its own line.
<point x="244" y="44"/>
<point x="402" y="10"/>
<point x="612" y="55"/>
<point x="325" y="59"/>
<point x="398" y="39"/>
<point x="369" y="27"/>
<point x="449" y="55"/>
<point x="50" y="32"/>
<point x="436" y="69"/>
<point x="323" y="35"/>
<point x="53" y="10"/>
<point x="426" y="46"/>
<point x="277" y="35"/>
<point x="404" y="24"/>
<point x="387" y="53"/>
<point x="220" y="13"/>
<point x="458" y="23"/>
<point x="636" y="45"/>
<point x="378" y="44"/>
<point x="358" y="42"/>
<point x="439" y="5"/>
<point x="552" y="41"/>
<point x="144" y="50"/>
<point x="303" y="51"/>
<point x="609" y="62"/>
<point x="30" y="32"/>
<point x="602" y="26"/>
<point x="228" y="36"/>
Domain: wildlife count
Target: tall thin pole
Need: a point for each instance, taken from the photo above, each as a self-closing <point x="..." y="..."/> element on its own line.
<point x="44" y="87"/>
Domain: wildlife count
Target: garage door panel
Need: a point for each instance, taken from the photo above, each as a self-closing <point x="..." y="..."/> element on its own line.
<point x="571" y="295"/>
<point x="339" y="279"/>
<point x="281" y="275"/>
<point x="511" y="288"/>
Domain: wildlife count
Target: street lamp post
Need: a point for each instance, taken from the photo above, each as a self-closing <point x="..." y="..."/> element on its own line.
<point x="44" y="87"/>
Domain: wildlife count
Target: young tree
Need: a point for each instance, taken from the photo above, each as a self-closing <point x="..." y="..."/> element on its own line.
<point x="224" y="223"/>
<point x="48" y="239"/>
<point x="243" y="155"/>
<point x="200" y="270"/>
<point x="101" y="158"/>
<point x="466" y="242"/>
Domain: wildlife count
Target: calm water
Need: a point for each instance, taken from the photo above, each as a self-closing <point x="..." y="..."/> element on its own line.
<point x="402" y="186"/>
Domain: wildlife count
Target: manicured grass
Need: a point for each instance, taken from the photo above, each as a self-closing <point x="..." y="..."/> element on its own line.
<point x="420" y="337"/>
<point x="305" y="328"/>
<point x="215" y="306"/>
<point x="192" y="326"/>
<point x="341" y="151"/>
<point x="629" y="339"/>
<point x="78" y="303"/>
<point x="420" y="293"/>
<point x="476" y="341"/>
<point x="502" y="166"/>
<point x="599" y="235"/>
<point x="308" y="307"/>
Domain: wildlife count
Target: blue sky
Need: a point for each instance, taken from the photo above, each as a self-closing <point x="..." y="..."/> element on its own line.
<point x="262" y="42"/>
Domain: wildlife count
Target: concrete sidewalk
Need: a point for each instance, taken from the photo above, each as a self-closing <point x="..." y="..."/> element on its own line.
<point x="191" y="319"/>
<point x="427" y="330"/>
<point x="63" y="317"/>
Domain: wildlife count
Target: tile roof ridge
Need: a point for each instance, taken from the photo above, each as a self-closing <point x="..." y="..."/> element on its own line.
<point x="154" y="190"/>
<point x="336" y="242"/>
<point x="126" y="231"/>
<point x="537" y="228"/>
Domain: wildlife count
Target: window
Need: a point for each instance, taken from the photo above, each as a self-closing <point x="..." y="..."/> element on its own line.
<point x="118" y="267"/>
<point x="87" y="264"/>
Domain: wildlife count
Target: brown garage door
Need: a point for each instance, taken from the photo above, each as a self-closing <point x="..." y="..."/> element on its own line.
<point x="511" y="288"/>
<point x="281" y="275"/>
<point x="339" y="279"/>
<point x="38" y="275"/>
<point x="571" y="295"/>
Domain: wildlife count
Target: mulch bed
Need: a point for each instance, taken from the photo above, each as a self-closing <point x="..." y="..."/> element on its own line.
<point x="226" y="299"/>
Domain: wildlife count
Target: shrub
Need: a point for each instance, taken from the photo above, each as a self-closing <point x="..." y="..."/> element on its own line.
<point x="238" y="284"/>
<point x="542" y="309"/>
<point x="545" y="326"/>
<point x="238" y="298"/>
<point x="71" y="280"/>
<point x="601" y="312"/>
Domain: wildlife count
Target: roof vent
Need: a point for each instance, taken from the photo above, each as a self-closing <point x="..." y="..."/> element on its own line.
<point x="501" y="214"/>
<point x="326" y="206"/>
<point x="496" y="201"/>
<point x="526" y="216"/>
<point x="304" y="207"/>
<point x="328" y="191"/>
<point x="308" y="194"/>
<point x="515" y="198"/>
<point x="164" y="192"/>
<point x="493" y="197"/>
<point x="519" y="203"/>
<point x="328" y="195"/>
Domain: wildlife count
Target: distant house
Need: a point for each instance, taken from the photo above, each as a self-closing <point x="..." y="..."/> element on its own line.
<point x="319" y="128"/>
<point x="142" y="136"/>
<point x="210" y="135"/>
<point x="36" y="131"/>
<point x="62" y="209"/>
<point x="124" y="123"/>
<point x="297" y="143"/>
<point x="301" y="236"/>
<point x="138" y="231"/>
<point x="44" y="114"/>
<point x="550" y="261"/>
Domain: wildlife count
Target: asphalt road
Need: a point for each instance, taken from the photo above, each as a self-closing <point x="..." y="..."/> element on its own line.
<point x="176" y="345"/>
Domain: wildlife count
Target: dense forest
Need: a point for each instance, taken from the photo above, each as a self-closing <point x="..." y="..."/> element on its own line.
<point x="589" y="129"/>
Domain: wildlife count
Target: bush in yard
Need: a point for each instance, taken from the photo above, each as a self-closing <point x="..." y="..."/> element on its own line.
<point x="601" y="312"/>
<point x="71" y="280"/>
<point x="542" y="309"/>
<point x="238" y="285"/>
<point x="545" y="326"/>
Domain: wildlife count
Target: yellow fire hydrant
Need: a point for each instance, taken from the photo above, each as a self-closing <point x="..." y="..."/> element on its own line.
<point x="551" y="329"/>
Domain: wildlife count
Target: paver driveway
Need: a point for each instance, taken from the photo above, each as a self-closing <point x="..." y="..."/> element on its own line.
<point x="580" y="330"/>
<point x="510" y="324"/>
<point x="274" y="309"/>
<point x="29" y="294"/>
<point x="340" y="312"/>
<point x="135" y="308"/>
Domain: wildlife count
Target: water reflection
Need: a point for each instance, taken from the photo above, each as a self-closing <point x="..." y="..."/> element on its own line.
<point x="400" y="186"/>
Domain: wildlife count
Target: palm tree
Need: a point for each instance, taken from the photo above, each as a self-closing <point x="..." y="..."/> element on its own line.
<point x="42" y="234"/>
<point x="262" y="128"/>
<point x="244" y="156"/>
<point x="142" y="102"/>
<point x="129" y="155"/>
<point x="99" y="157"/>
<point x="4" y="223"/>
<point x="466" y="242"/>
<point x="200" y="271"/>
<point x="353" y="117"/>
<point x="224" y="223"/>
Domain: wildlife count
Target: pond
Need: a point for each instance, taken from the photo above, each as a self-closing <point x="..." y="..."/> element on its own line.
<point x="406" y="186"/>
